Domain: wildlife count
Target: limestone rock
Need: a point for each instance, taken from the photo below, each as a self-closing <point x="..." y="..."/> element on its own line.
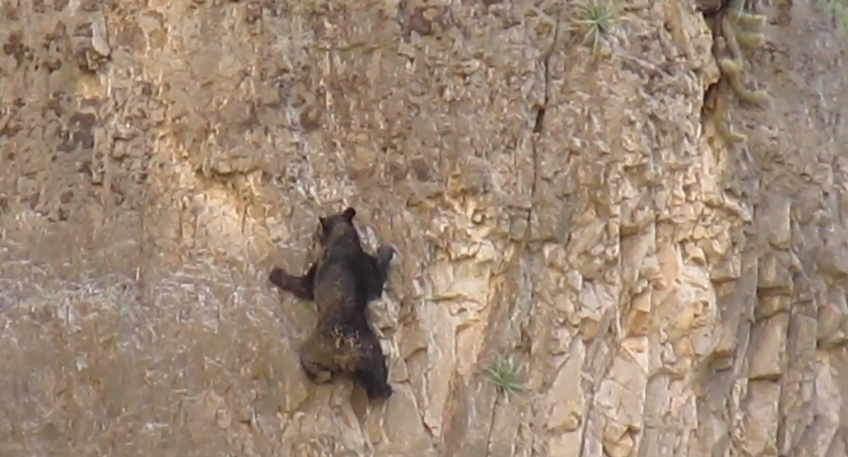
<point x="554" y="199"/>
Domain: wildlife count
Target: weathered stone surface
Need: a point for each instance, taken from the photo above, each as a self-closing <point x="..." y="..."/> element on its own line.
<point x="573" y="210"/>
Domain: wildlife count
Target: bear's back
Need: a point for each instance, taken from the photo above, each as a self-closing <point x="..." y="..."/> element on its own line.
<point x="340" y="285"/>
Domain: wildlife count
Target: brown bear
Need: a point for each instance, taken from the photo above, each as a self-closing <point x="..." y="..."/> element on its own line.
<point x="342" y="281"/>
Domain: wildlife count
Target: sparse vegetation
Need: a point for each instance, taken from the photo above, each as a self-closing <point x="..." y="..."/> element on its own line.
<point x="592" y="19"/>
<point x="840" y="11"/>
<point x="735" y="30"/>
<point x="506" y="375"/>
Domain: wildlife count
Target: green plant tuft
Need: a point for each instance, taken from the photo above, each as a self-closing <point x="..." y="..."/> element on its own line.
<point x="592" y="19"/>
<point x="505" y="374"/>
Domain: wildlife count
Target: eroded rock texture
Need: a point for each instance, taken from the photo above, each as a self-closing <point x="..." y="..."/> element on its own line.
<point x="666" y="294"/>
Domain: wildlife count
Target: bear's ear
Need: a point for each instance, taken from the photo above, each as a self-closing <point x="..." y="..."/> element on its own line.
<point x="323" y="222"/>
<point x="349" y="213"/>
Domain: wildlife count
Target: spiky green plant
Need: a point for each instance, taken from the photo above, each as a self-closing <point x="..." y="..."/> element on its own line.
<point x="505" y="374"/>
<point x="592" y="19"/>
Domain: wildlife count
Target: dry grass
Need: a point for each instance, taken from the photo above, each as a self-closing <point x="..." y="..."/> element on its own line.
<point x="196" y="365"/>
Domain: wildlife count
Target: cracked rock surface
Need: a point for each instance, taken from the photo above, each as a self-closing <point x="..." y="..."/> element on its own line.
<point x="662" y="293"/>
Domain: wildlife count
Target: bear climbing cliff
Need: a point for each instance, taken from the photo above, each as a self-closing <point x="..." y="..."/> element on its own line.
<point x="342" y="281"/>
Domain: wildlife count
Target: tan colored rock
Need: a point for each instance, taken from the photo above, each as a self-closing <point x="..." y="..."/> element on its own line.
<point x="667" y="293"/>
<point x="767" y="356"/>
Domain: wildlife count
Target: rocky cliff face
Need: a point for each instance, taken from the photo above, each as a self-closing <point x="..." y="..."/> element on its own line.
<point x="587" y="266"/>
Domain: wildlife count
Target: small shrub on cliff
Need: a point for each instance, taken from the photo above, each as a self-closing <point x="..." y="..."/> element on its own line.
<point x="505" y="374"/>
<point x="592" y="19"/>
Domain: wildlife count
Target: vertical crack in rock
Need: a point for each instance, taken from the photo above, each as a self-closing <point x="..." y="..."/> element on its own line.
<point x="540" y="113"/>
<point x="492" y="424"/>
<point x="538" y="128"/>
<point x="605" y="327"/>
<point x="526" y="252"/>
<point x="783" y="442"/>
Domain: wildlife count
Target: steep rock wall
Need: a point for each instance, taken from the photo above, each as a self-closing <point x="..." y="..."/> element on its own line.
<point x="664" y="293"/>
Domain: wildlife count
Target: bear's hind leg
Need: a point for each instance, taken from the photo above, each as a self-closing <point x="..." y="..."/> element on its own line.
<point x="316" y="372"/>
<point x="375" y="387"/>
<point x="315" y="365"/>
<point x="372" y="373"/>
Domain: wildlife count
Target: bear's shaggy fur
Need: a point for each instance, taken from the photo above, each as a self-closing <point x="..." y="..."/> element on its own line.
<point x="341" y="282"/>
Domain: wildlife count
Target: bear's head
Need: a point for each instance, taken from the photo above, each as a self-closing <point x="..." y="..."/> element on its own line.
<point x="336" y="228"/>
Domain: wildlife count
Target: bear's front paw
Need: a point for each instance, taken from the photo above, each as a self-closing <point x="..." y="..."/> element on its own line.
<point x="385" y="253"/>
<point x="280" y="278"/>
